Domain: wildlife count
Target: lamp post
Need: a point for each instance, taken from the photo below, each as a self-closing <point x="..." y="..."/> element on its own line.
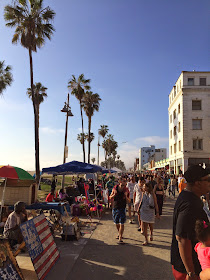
<point x="98" y="145"/>
<point x="66" y="109"/>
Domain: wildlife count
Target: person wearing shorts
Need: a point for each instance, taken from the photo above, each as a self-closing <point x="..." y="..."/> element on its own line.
<point x="119" y="196"/>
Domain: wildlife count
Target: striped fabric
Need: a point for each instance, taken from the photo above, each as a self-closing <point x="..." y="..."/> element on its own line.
<point x="40" y="244"/>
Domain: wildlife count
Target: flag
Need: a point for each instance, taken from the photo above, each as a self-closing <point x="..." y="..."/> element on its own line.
<point x="40" y="244"/>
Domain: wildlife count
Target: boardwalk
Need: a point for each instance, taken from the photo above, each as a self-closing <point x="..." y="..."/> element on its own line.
<point x="103" y="259"/>
<point x="99" y="257"/>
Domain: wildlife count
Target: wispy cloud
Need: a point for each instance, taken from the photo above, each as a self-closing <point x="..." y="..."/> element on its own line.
<point x="130" y="150"/>
<point x="49" y="130"/>
<point x="152" y="140"/>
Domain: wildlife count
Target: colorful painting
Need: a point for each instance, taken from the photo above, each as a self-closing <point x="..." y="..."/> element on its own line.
<point x="8" y="266"/>
<point x="40" y="244"/>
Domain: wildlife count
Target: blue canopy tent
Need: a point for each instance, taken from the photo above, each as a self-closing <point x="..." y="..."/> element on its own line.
<point x="106" y="170"/>
<point x="72" y="167"/>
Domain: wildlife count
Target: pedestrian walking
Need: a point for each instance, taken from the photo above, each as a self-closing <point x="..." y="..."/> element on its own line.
<point x="182" y="185"/>
<point x="137" y="199"/>
<point x="147" y="211"/>
<point x="173" y="183"/>
<point x="159" y="192"/>
<point x="120" y="198"/>
<point x="130" y="186"/>
<point x="188" y="208"/>
<point x="109" y="186"/>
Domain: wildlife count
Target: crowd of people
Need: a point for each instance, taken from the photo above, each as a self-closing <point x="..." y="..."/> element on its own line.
<point x="144" y="195"/>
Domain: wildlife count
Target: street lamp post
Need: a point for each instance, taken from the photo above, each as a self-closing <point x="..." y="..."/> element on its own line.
<point x="98" y="145"/>
<point x="66" y="109"/>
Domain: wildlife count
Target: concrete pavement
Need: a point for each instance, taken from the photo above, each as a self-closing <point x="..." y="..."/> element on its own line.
<point x="98" y="256"/>
<point x="102" y="258"/>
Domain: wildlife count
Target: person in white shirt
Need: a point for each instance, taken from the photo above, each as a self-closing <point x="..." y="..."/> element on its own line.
<point x="12" y="226"/>
<point x="130" y="186"/>
<point x="137" y="199"/>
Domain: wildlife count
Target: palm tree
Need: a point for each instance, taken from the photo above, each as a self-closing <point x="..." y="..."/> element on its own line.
<point x="93" y="160"/>
<point x="40" y="95"/>
<point x="33" y="27"/>
<point x="109" y="145"/>
<point x="91" y="137"/>
<point x="114" y="153"/>
<point x="102" y="132"/>
<point x="81" y="137"/>
<point x="5" y="76"/>
<point x="78" y="87"/>
<point x="90" y="103"/>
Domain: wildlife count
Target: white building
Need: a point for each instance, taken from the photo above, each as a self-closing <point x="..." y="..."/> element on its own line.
<point x="148" y="154"/>
<point x="189" y="121"/>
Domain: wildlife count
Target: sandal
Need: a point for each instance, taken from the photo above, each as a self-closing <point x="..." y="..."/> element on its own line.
<point x="145" y="243"/>
<point x="121" y="242"/>
<point x="117" y="237"/>
<point x="151" y="237"/>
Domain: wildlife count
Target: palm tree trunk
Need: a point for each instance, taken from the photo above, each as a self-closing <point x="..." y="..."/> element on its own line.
<point x="83" y="142"/>
<point x="89" y="128"/>
<point x="36" y="120"/>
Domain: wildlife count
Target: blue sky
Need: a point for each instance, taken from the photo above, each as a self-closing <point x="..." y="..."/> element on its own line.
<point x="133" y="52"/>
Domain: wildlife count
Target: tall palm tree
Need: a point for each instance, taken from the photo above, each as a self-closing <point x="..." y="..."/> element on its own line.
<point x="5" y="76"/>
<point x="40" y="95"/>
<point x="78" y="87"/>
<point x="102" y="132"/>
<point x="90" y="103"/>
<point x="33" y="27"/>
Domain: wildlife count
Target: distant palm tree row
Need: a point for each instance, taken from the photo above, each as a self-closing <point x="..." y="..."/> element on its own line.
<point x="89" y="102"/>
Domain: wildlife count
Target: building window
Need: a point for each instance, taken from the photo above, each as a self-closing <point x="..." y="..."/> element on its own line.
<point x="179" y="109"/>
<point x="174" y="130"/>
<point x="179" y="127"/>
<point x="179" y="146"/>
<point x="190" y="81"/>
<point x="196" y="104"/>
<point x="174" y="91"/>
<point x="170" y="118"/>
<point x="202" y="81"/>
<point x="171" y="150"/>
<point x="197" y="124"/>
<point x="197" y="144"/>
<point x="174" y="148"/>
<point x="174" y="114"/>
<point x="171" y="134"/>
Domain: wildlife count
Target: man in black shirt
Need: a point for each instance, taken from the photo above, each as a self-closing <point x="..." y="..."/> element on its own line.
<point x="187" y="210"/>
<point x="120" y="197"/>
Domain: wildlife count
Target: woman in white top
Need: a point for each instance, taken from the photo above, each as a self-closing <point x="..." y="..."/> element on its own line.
<point x="147" y="210"/>
<point x="137" y="198"/>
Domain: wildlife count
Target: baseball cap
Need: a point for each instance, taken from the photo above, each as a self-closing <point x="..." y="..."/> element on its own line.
<point x="195" y="173"/>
